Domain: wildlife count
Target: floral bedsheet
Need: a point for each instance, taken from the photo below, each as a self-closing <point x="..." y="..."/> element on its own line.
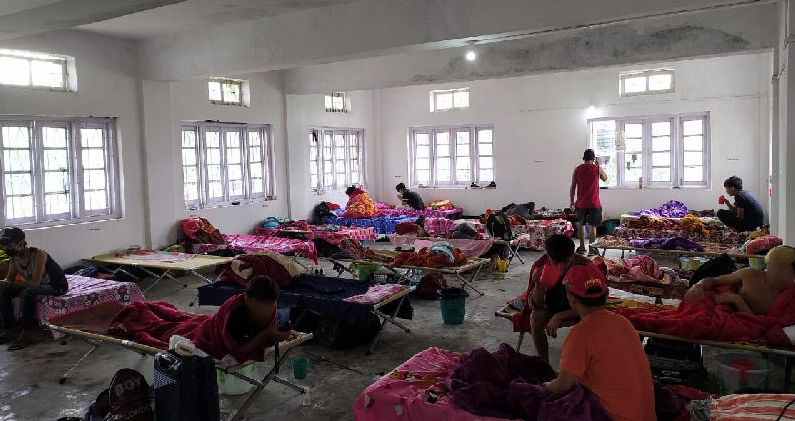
<point x="254" y="243"/>
<point x="724" y="235"/>
<point x="377" y="293"/>
<point x="83" y="293"/>
<point x="533" y="234"/>
<point x="443" y="227"/>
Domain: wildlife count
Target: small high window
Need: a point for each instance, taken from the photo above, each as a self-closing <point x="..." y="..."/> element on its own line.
<point x="449" y="99"/>
<point x="337" y="102"/>
<point x="646" y="82"/>
<point x="34" y="70"/>
<point x="225" y="91"/>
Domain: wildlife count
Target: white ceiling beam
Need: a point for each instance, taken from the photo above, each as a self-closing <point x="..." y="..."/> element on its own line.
<point x="717" y="32"/>
<point x="369" y="28"/>
<point x="18" y="19"/>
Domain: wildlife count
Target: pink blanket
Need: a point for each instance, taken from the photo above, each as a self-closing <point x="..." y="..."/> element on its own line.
<point x="402" y="395"/>
<point x="471" y="248"/>
<point x="254" y="243"/>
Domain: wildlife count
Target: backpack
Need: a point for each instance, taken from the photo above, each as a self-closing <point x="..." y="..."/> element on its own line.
<point x="127" y="399"/>
<point x="498" y="226"/>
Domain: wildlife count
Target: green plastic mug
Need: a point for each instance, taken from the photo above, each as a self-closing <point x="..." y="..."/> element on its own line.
<point x="300" y="367"/>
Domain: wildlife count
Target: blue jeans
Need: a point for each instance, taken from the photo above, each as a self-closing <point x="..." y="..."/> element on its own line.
<point x="28" y="297"/>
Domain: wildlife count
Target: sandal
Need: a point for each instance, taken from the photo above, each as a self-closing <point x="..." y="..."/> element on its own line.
<point x="593" y="251"/>
<point x="580" y="250"/>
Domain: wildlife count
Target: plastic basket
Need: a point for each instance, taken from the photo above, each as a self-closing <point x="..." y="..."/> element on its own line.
<point x="452" y="304"/>
<point x="230" y="385"/>
<point x="741" y="371"/>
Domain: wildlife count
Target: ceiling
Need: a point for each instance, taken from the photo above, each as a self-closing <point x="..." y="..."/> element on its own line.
<point x="193" y="15"/>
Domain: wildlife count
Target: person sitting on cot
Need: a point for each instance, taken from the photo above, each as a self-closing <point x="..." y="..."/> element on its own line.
<point x="31" y="273"/>
<point x="602" y="352"/>
<point x="550" y="308"/>
<point x="409" y="198"/>
<point x="758" y="289"/>
<point x="252" y="324"/>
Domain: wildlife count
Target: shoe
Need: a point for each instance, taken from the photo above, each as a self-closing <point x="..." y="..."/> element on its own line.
<point x="593" y="251"/>
<point x="581" y="250"/>
<point x="492" y="185"/>
<point x="474" y="186"/>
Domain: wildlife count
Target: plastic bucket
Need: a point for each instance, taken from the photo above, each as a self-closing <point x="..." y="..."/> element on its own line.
<point x="300" y="368"/>
<point x="757" y="263"/>
<point x="501" y="265"/>
<point x="611" y="225"/>
<point x="230" y="385"/>
<point x="741" y="371"/>
<point x="452" y="304"/>
<point x="364" y="270"/>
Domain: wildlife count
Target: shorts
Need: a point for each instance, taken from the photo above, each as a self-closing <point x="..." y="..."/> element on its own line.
<point x="589" y="216"/>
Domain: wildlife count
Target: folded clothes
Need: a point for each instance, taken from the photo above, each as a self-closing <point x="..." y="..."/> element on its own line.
<point x="671" y="209"/>
<point x="706" y="320"/>
<point x="508" y="384"/>
<point x="675" y="243"/>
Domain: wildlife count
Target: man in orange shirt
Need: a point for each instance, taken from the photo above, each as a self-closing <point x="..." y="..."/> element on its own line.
<point x="603" y="351"/>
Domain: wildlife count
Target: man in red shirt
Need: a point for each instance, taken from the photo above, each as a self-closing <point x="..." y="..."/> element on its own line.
<point x="603" y="351"/>
<point x="585" y="183"/>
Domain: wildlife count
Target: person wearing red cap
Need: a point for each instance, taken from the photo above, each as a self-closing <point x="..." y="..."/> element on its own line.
<point x="603" y="351"/>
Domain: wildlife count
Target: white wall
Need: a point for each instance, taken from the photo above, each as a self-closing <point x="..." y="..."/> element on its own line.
<point x="165" y="106"/>
<point x="107" y="86"/>
<point x="306" y="111"/>
<point x="541" y="130"/>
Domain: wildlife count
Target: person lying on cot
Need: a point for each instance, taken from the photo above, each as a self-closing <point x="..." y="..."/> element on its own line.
<point x="758" y="289"/>
<point x="603" y="351"/>
<point x="31" y="273"/>
<point x="252" y="324"/>
<point x="550" y="308"/>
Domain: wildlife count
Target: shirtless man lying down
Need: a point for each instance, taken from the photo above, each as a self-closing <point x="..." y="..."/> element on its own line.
<point x="758" y="288"/>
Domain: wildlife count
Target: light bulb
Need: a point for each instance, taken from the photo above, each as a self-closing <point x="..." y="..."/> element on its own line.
<point x="471" y="56"/>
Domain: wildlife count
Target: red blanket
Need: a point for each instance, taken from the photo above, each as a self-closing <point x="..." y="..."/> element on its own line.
<point x="706" y="320"/>
<point x="153" y="323"/>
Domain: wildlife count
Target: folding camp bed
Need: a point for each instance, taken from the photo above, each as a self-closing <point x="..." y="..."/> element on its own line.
<point x="472" y="248"/>
<point x="678" y="253"/>
<point x="91" y="325"/>
<point x="334" y="298"/>
<point x="507" y="312"/>
<point x="475" y="264"/>
<point x="148" y="260"/>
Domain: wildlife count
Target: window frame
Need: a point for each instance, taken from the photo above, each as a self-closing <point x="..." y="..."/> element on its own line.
<point x="203" y="200"/>
<point x="646" y="74"/>
<point x="227" y="81"/>
<point x="30" y="57"/>
<point x="328" y="98"/>
<point x="676" y="151"/>
<point x="474" y="154"/>
<point x="318" y="135"/>
<point x="434" y="95"/>
<point x="78" y="213"/>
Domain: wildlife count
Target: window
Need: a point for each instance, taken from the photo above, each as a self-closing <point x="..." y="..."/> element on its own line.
<point x="452" y="156"/>
<point x="449" y="99"/>
<point x="226" y="91"/>
<point x="225" y="164"/>
<point x="658" y="151"/>
<point x="335" y="158"/>
<point x="33" y="70"/>
<point x="337" y="102"/>
<point x="646" y="82"/>
<point x="58" y="170"/>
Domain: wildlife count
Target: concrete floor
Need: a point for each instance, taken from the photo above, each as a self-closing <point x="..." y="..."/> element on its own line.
<point x="29" y="388"/>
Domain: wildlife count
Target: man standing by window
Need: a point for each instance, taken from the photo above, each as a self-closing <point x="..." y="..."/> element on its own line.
<point x="409" y="198"/>
<point x="585" y="184"/>
<point x="746" y="214"/>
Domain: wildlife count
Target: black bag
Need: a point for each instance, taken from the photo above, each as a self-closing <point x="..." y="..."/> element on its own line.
<point x="498" y="226"/>
<point x="185" y="388"/>
<point x="721" y="265"/>
<point x="127" y="399"/>
<point x="525" y="210"/>
<point x="319" y="213"/>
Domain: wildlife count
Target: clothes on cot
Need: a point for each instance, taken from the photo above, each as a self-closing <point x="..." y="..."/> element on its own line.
<point x="153" y="324"/>
<point x="705" y="319"/>
<point x="604" y="347"/>
<point x="508" y="384"/>
<point x="586" y="177"/>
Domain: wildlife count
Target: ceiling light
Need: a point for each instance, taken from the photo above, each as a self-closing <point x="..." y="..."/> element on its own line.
<point x="471" y="56"/>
